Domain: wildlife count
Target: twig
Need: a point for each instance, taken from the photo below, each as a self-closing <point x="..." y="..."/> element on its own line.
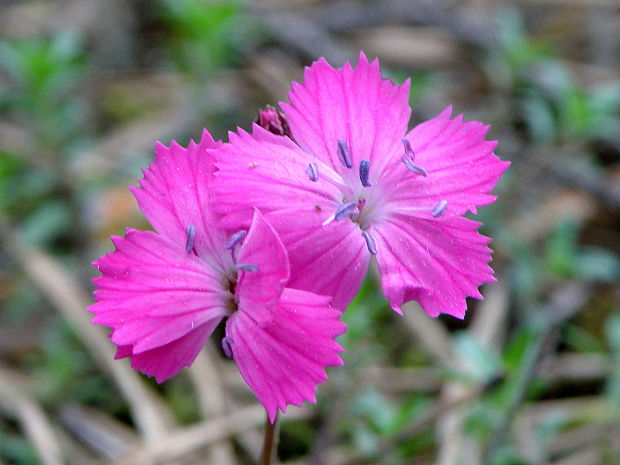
<point x="212" y="400"/>
<point x="564" y="303"/>
<point x="431" y="334"/>
<point x="309" y="37"/>
<point x="62" y="290"/>
<point x="346" y="15"/>
<point x="33" y="420"/>
<point x="100" y="432"/>
<point x="488" y="321"/>
<point x="178" y="443"/>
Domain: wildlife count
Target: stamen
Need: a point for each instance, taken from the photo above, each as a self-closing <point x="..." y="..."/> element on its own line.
<point x="370" y="242"/>
<point x="364" y="173"/>
<point x="190" y="230"/>
<point x="313" y="171"/>
<point x="342" y="212"/>
<point x="235" y="239"/>
<point x="413" y="167"/>
<point x="227" y="347"/>
<point x="247" y="267"/>
<point x="343" y="154"/>
<point x="408" y="149"/>
<point x="439" y="208"/>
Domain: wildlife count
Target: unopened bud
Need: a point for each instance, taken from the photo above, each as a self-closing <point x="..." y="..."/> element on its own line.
<point x="274" y="121"/>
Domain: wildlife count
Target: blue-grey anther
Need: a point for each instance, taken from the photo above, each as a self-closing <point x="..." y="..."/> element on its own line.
<point x="370" y="242"/>
<point x="344" y="211"/>
<point x="439" y="208"/>
<point x="190" y="230"/>
<point x="227" y="347"/>
<point x="235" y="239"/>
<point x="313" y="171"/>
<point x="343" y="154"/>
<point x="413" y="167"/>
<point x="408" y="149"/>
<point x="247" y="267"/>
<point x="364" y="173"/>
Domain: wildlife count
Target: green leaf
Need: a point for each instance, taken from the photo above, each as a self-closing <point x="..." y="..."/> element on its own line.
<point x="597" y="265"/>
<point x="47" y="221"/>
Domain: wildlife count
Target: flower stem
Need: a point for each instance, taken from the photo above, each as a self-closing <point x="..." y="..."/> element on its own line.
<point x="269" y="441"/>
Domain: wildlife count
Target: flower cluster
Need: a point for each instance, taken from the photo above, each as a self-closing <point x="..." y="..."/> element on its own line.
<point x="274" y="230"/>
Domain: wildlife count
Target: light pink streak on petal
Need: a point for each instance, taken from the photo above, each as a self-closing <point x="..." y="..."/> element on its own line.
<point x="259" y="290"/>
<point x="328" y="260"/>
<point x="269" y="172"/>
<point x="174" y="193"/>
<point x="152" y="293"/>
<point x="353" y="104"/>
<point x="436" y="262"/>
<point x="461" y="167"/>
<point x="283" y="361"/>
<point x="166" y="361"/>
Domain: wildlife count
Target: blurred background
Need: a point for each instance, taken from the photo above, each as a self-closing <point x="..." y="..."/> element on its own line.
<point x="531" y="376"/>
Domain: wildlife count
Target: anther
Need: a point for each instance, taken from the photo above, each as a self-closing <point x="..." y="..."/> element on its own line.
<point x="342" y="212"/>
<point x="235" y="239"/>
<point x="370" y="242"/>
<point x="439" y="208"/>
<point x="313" y="171"/>
<point x="247" y="267"/>
<point x="413" y="167"/>
<point x="190" y="231"/>
<point x="343" y="154"/>
<point x="364" y="173"/>
<point x="227" y="347"/>
<point x="408" y="149"/>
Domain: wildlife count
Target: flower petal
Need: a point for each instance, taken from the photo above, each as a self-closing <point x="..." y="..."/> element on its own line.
<point x="283" y="361"/>
<point x="273" y="169"/>
<point x="436" y="262"/>
<point x="356" y="105"/>
<point x="166" y="361"/>
<point x="328" y="260"/>
<point x="460" y="165"/>
<point x="152" y="293"/>
<point x="263" y="249"/>
<point x="174" y="194"/>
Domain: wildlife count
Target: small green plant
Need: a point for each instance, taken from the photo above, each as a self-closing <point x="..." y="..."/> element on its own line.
<point x="206" y="35"/>
<point x="43" y="74"/>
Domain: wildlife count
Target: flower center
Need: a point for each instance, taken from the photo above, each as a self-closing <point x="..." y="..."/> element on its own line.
<point x="360" y="204"/>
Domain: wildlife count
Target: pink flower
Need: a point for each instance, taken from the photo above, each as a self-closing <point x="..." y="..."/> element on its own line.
<point x="354" y="183"/>
<point x="164" y="292"/>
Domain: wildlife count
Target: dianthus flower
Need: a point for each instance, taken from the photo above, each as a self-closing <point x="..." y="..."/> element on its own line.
<point x="351" y="183"/>
<point x="163" y="293"/>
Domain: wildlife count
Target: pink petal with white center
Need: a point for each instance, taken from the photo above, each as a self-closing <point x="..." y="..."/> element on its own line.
<point x="268" y="172"/>
<point x="329" y="260"/>
<point x="461" y="167"/>
<point x="174" y="194"/>
<point x="264" y="250"/>
<point x="166" y="361"/>
<point x="438" y="262"/>
<point x="151" y="293"/>
<point x="283" y="361"/>
<point x="356" y="105"/>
